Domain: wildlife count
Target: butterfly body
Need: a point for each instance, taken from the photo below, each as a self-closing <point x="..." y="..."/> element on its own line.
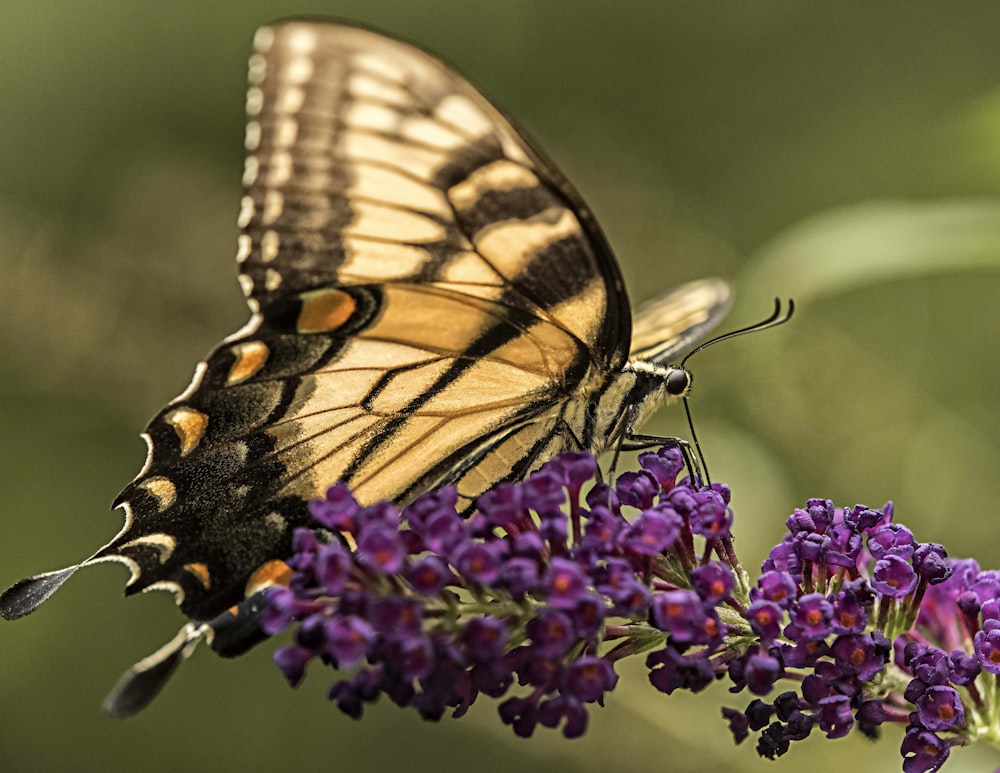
<point x="431" y="303"/>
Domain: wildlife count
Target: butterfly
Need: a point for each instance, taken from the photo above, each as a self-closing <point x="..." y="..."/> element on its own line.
<point x="431" y="303"/>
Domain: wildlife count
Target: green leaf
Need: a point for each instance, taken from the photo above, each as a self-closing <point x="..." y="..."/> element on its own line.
<point x="880" y="241"/>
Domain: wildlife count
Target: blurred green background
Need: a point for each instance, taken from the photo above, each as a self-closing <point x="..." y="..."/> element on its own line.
<point x="846" y="154"/>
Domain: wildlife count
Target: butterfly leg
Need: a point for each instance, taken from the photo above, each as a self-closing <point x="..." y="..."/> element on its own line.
<point x="643" y="442"/>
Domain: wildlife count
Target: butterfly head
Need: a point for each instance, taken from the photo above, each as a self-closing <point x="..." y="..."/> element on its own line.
<point x="650" y="385"/>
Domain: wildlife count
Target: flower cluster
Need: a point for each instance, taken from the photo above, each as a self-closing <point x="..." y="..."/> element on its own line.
<point x="876" y="627"/>
<point x="431" y="608"/>
<point x="535" y="597"/>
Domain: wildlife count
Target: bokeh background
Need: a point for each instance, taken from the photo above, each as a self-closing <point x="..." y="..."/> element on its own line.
<point x="845" y="154"/>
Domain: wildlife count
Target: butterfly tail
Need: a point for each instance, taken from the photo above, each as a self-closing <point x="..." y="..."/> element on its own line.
<point x="230" y="634"/>
<point x="138" y="686"/>
<point x="25" y="596"/>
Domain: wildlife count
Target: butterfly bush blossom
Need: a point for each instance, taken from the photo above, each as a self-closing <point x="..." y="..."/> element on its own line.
<point x="852" y="623"/>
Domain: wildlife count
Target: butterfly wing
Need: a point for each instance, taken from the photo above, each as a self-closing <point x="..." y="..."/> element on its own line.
<point x="428" y="296"/>
<point x="678" y="319"/>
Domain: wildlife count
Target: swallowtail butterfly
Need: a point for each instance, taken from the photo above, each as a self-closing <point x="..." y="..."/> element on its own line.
<point x="431" y="303"/>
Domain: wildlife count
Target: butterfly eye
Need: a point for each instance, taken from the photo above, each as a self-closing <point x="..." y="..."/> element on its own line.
<point x="678" y="382"/>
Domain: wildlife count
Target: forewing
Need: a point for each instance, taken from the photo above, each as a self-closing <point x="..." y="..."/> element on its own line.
<point x="427" y="296"/>
<point x="371" y="161"/>
<point x="678" y="319"/>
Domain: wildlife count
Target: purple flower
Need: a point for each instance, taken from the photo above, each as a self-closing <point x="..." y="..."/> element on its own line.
<point x="802" y="521"/>
<point x="383" y="513"/>
<point x="811" y="546"/>
<point x="986" y="586"/>
<point x="929" y="563"/>
<point x="845" y="546"/>
<point x="798" y="725"/>
<point x="395" y="615"/>
<point x="940" y="708"/>
<point x="352" y="694"/>
<point x="333" y="567"/>
<point x="348" y="639"/>
<point x="783" y="558"/>
<point x="521" y="714"/>
<point x="631" y="599"/>
<point x="429" y="504"/>
<point x="739" y="725"/>
<point x="588" y="678"/>
<point x="894" y="577"/>
<point x="849" y="616"/>
<point x="869" y="716"/>
<point x="380" y="548"/>
<point x="990" y="610"/>
<point x="503" y="506"/>
<point x="775" y="586"/>
<point x="759" y="713"/>
<point x="772" y="742"/>
<point x="765" y="619"/>
<point x="588" y="617"/>
<point x="615" y="574"/>
<point x="562" y="707"/>
<point x="602" y="530"/>
<point x="282" y="605"/>
<point x="712" y="582"/>
<point x="337" y="510"/>
<point x="637" y="489"/>
<point x="540" y="669"/>
<point x="653" y="531"/>
<point x="863" y="519"/>
<point x="836" y="718"/>
<point x="577" y="468"/>
<point x="478" y="562"/>
<point x="528" y="544"/>
<point x="683" y="616"/>
<point x="670" y="670"/>
<point x="928" y="664"/>
<point x="805" y="653"/>
<point x="429" y="575"/>
<point x="923" y="751"/>
<point x="856" y="654"/>
<point x="565" y="583"/>
<point x="411" y="657"/>
<point x="988" y="649"/>
<point x="811" y="618"/>
<point x="664" y="465"/>
<point x="485" y="638"/>
<point x="711" y="518"/>
<point x="761" y="672"/>
<point x="963" y="668"/>
<point x="892" y="538"/>
<point x="552" y="631"/>
<point x="292" y="661"/>
<point x="519" y="576"/>
<point x="543" y="492"/>
<point x="433" y="609"/>
<point x="822" y="512"/>
<point x="442" y="530"/>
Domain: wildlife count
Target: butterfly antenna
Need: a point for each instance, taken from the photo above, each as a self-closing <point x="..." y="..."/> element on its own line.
<point x="776" y="318"/>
